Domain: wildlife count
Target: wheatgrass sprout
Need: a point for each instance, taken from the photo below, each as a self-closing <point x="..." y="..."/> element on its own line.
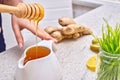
<point x="110" y="40"/>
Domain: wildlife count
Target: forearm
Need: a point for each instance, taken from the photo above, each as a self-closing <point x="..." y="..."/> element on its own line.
<point x="12" y="2"/>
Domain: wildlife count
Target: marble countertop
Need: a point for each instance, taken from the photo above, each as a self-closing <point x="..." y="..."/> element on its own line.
<point x="72" y="54"/>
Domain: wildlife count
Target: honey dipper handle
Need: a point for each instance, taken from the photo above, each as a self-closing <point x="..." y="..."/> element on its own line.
<point x="8" y="9"/>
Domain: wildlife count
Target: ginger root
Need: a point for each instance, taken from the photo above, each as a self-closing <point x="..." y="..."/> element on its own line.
<point x="64" y="21"/>
<point x="51" y="29"/>
<point x="76" y="35"/>
<point x="57" y="35"/>
<point x="70" y="29"/>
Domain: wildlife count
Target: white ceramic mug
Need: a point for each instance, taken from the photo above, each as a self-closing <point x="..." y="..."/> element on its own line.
<point x="45" y="68"/>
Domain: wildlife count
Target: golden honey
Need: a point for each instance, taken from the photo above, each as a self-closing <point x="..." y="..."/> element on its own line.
<point x="31" y="53"/>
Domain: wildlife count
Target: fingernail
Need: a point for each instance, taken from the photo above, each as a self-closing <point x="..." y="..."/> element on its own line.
<point x="20" y="45"/>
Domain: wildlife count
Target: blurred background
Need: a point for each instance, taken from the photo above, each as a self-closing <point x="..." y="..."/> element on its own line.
<point x="54" y="9"/>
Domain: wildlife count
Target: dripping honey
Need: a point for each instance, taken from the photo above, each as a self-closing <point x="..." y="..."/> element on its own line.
<point x="36" y="32"/>
<point x="31" y="53"/>
<point x="37" y="51"/>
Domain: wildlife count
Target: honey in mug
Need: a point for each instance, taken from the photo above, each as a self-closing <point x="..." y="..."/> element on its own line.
<point x="36" y="52"/>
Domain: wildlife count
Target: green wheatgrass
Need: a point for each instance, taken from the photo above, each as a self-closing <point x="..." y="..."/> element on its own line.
<point x="110" y="40"/>
<point x="109" y="68"/>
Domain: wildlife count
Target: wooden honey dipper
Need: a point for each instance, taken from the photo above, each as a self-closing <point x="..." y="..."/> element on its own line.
<point x="30" y="11"/>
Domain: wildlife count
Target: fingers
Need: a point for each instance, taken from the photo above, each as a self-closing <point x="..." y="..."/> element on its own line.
<point x="18" y="36"/>
<point x="23" y="23"/>
<point x="18" y="24"/>
<point x="45" y="35"/>
<point x="40" y="32"/>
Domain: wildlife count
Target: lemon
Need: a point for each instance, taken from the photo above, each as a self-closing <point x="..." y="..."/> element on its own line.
<point x="95" y="41"/>
<point x="95" y="48"/>
<point x="91" y="63"/>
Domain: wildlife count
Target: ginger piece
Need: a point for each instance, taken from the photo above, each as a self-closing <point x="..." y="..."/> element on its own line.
<point x="81" y="34"/>
<point x="70" y="29"/>
<point x="68" y="36"/>
<point x="51" y="29"/>
<point x="76" y="35"/>
<point x="64" y="21"/>
<point x="75" y="28"/>
<point x="57" y="35"/>
<point x="87" y="31"/>
<point x="67" y="31"/>
<point x="84" y="30"/>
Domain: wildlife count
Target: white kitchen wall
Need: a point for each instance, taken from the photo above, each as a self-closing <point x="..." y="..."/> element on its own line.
<point x="81" y="9"/>
<point x="7" y="31"/>
<point x="53" y="10"/>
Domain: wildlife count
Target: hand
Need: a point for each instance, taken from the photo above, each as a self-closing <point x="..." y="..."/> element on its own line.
<point x="18" y="24"/>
